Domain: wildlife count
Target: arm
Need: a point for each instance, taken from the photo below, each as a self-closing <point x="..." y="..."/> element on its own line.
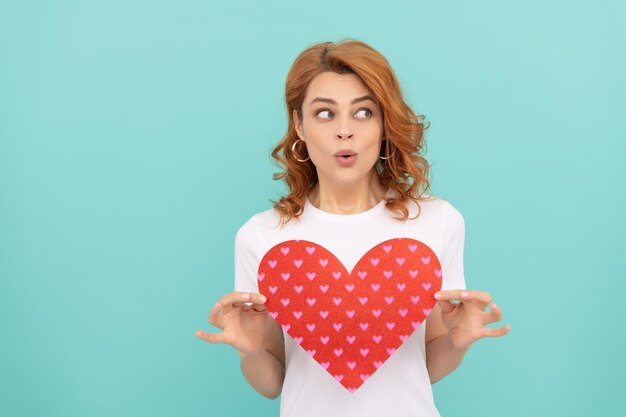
<point x="441" y="356"/>
<point x="265" y="370"/>
<point x="257" y="337"/>
<point x="264" y="366"/>
<point x="465" y="324"/>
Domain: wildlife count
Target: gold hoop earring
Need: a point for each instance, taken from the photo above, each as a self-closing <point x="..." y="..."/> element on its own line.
<point x="387" y="151"/>
<point x="293" y="152"/>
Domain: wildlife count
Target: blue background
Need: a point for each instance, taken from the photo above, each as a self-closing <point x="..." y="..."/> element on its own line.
<point x="135" y="139"/>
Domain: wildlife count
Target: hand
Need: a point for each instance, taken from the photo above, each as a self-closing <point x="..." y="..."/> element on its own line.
<point x="243" y="319"/>
<point x="465" y="320"/>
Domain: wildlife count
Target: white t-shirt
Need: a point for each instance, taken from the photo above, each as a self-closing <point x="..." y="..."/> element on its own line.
<point x="401" y="387"/>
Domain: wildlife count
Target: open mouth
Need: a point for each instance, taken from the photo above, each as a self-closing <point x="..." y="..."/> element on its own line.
<point x="345" y="153"/>
<point x="345" y="157"/>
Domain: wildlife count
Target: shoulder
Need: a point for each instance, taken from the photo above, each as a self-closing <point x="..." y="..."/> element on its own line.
<point x="251" y="229"/>
<point x="451" y="219"/>
<point x="438" y="211"/>
<point x="454" y="218"/>
<point x="433" y="206"/>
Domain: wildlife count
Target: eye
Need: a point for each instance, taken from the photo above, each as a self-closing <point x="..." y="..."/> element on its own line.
<point x="364" y="113"/>
<point x="324" y="114"/>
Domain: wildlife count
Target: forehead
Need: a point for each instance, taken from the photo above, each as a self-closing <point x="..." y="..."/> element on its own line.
<point x="339" y="87"/>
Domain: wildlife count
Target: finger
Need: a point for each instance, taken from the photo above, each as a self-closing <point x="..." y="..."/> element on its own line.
<point x="255" y="299"/>
<point x="494" y="315"/>
<point x="233" y="299"/>
<point x="478" y="298"/>
<point x="259" y="307"/>
<point x="481" y="297"/>
<point x="446" y="306"/>
<point x="488" y="332"/>
<point x="210" y="337"/>
<point x="237" y="298"/>
<point x="448" y="295"/>
<point x="255" y="307"/>
<point x="215" y="318"/>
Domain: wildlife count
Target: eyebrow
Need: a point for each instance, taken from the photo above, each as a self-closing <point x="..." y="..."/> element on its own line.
<point x="331" y="101"/>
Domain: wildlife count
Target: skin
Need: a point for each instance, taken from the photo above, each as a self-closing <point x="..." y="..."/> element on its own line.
<point x="327" y="127"/>
<point x="464" y="322"/>
<point x="244" y="325"/>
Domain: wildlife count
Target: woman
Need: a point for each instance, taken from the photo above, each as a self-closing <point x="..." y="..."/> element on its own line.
<point x="355" y="179"/>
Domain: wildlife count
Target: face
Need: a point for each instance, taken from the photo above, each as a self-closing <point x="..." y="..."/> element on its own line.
<point x="342" y="127"/>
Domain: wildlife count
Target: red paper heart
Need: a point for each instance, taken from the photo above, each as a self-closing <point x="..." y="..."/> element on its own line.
<point x="350" y="323"/>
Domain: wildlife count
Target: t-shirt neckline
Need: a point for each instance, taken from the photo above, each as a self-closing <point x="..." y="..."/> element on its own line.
<point x="379" y="207"/>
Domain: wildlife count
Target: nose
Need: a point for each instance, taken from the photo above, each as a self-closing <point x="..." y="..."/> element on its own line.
<point x="344" y="131"/>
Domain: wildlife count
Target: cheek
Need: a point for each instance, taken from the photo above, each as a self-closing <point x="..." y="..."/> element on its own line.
<point x="372" y="151"/>
<point x="374" y="143"/>
<point x="317" y="139"/>
<point x="317" y="151"/>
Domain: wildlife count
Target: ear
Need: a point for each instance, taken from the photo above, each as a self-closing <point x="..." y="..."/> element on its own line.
<point x="298" y="124"/>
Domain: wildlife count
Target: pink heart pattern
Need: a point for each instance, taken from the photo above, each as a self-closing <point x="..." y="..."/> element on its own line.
<point x="350" y="322"/>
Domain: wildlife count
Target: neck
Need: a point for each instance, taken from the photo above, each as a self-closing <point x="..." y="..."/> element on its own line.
<point x="347" y="198"/>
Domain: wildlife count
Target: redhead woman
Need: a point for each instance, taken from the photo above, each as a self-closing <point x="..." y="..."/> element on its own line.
<point x="357" y="183"/>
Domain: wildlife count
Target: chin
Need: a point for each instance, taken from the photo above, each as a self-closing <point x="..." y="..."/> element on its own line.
<point x="347" y="180"/>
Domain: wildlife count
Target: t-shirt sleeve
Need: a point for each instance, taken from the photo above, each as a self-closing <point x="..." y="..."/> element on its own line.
<point x="452" y="253"/>
<point x="246" y="260"/>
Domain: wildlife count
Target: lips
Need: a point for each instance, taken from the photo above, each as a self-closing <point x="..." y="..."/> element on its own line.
<point x="345" y="153"/>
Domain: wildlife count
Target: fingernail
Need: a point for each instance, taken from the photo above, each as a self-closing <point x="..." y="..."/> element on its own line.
<point x="494" y="305"/>
<point x="217" y="305"/>
<point x="245" y="296"/>
<point x="464" y="294"/>
<point x="262" y="298"/>
<point x="437" y="296"/>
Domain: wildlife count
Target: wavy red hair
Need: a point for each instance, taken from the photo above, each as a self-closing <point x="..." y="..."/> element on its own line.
<point x="406" y="171"/>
